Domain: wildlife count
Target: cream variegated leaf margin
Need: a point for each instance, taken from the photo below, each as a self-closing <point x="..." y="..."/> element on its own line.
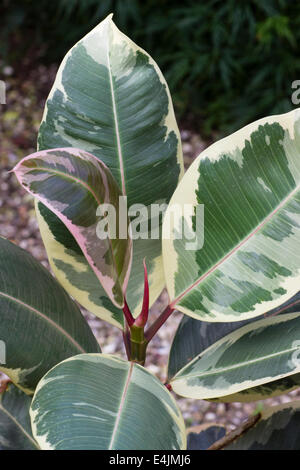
<point x="250" y="260"/>
<point x="74" y="184"/>
<point x="110" y="98"/>
<point x="113" y="404"/>
<point x="260" y="353"/>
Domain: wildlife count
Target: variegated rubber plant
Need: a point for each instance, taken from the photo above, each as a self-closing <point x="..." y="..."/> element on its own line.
<point x="109" y="138"/>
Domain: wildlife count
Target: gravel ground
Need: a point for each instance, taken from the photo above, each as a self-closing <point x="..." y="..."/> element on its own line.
<point x="19" y="121"/>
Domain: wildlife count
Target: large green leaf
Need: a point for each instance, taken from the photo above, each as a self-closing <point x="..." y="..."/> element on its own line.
<point x="261" y="352"/>
<point x="15" y="427"/>
<point x="110" y="98"/>
<point x="39" y="324"/>
<point x="250" y="260"/>
<point x="277" y="429"/>
<point x="94" y="401"/>
<point x="74" y="184"/>
<point x="194" y="336"/>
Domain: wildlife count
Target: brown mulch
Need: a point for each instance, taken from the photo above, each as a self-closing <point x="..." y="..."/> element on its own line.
<point x="19" y="121"/>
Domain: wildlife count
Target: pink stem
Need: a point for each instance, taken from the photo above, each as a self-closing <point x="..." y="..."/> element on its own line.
<point x="143" y="316"/>
<point x="158" y="323"/>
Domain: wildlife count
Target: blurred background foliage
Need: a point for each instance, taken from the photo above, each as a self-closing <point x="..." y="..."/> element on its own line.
<point x="227" y="62"/>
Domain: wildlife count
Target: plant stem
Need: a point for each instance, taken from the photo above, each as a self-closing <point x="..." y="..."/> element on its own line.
<point x="152" y="330"/>
<point x="138" y="345"/>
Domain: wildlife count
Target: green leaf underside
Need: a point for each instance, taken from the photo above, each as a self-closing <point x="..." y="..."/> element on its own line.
<point x="73" y="184"/>
<point x="15" y="427"/>
<point x="204" y="439"/>
<point x="278" y="429"/>
<point x="110" y="99"/>
<point x="194" y="336"/>
<point x="103" y="402"/>
<point x="249" y="263"/>
<point x="39" y="323"/>
<point x="261" y="352"/>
